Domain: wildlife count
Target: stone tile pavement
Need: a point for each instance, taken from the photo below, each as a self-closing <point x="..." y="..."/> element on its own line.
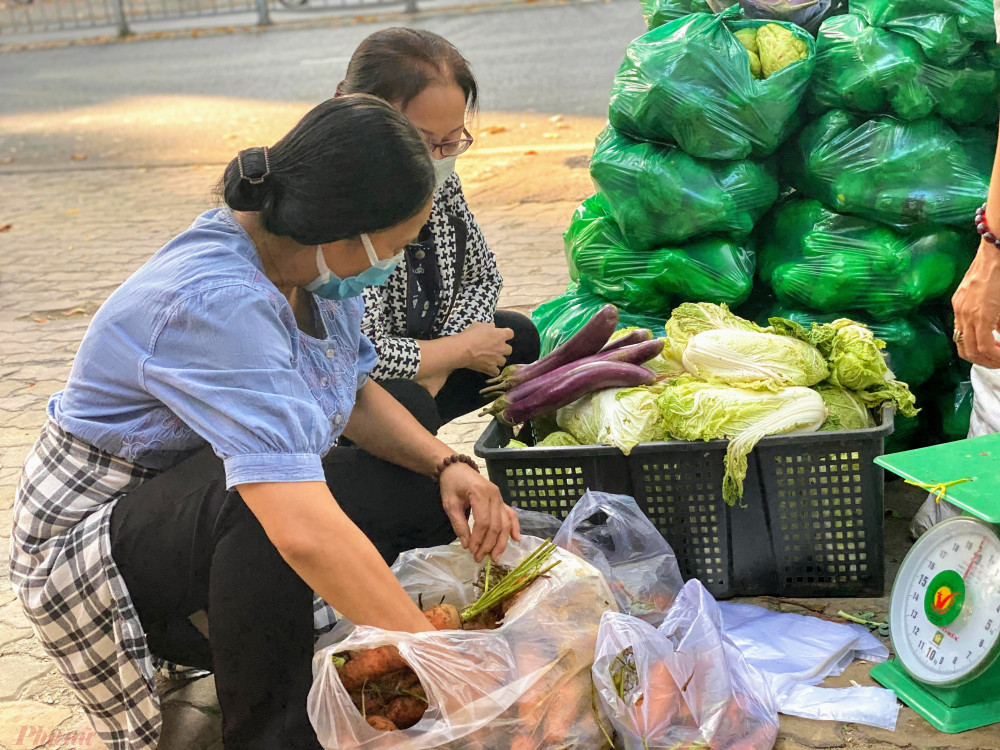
<point x="74" y="237"/>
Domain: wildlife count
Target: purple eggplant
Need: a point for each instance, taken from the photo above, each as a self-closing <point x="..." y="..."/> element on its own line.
<point x="636" y="354"/>
<point x="633" y="337"/>
<point x="588" y="340"/>
<point x="593" y="376"/>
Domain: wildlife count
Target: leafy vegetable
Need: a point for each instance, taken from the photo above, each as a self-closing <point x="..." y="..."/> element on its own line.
<point x="557" y="439"/>
<point x="691" y="318"/>
<point x="752" y="359"/>
<point x="694" y="410"/>
<point x="516" y="444"/>
<point x="846" y="410"/>
<point x="619" y="417"/>
<point x="779" y="48"/>
<point x="748" y="38"/>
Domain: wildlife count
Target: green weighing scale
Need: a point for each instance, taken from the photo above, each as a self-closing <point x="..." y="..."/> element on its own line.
<point x="944" y="612"/>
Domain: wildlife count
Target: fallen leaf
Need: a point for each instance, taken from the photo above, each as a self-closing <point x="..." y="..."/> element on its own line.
<point x="41" y="320"/>
<point x="75" y="311"/>
<point x="531" y="153"/>
<point x="493" y="130"/>
<point x="5" y="227"/>
<point x="78" y="157"/>
<point x="73" y="211"/>
<point x="563" y="126"/>
<point x="550" y="135"/>
<point x="6" y="160"/>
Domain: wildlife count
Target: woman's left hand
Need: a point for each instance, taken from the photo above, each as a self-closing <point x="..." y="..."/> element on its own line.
<point x="463" y="488"/>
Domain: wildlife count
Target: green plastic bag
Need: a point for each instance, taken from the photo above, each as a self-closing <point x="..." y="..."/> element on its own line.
<point x="659" y="194"/>
<point x="689" y="82"/>
<point x="658" y="12"/>
<point x="905" y="174"/>
<point x="829" y="262"/>
<point x="917" y="346"/>
<point x="906" y="434"/>
<point x="559" y="318"/>
<point x="653" y="282"/>
<point x="955" y="408"/>
<point x="867" y="69"/>
<point x="946" y="29"/>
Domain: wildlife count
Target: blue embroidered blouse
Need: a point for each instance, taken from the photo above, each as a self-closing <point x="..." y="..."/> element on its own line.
<point x="199" y="346"/>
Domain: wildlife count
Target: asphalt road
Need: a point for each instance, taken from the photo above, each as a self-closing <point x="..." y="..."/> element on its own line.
<point x="546" y="59"/>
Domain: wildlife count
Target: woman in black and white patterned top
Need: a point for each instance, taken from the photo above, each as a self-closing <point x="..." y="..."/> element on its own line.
<point x="435" y="324"/>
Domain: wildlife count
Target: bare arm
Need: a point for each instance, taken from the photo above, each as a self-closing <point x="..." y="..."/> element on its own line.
<point x="977" y="300"/>
<point x="320" y="543"/>
<point x="383" y="427"/>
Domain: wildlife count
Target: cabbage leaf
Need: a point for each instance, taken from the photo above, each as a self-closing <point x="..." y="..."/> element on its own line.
<point x="752" y="359"/>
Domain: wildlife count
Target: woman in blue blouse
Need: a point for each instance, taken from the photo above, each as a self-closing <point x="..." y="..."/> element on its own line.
<point x="182" y="467"/>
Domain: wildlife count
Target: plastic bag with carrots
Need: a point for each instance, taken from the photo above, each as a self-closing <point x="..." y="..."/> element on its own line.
<point x="682" y="685"/>
<point x="525" y="685"/>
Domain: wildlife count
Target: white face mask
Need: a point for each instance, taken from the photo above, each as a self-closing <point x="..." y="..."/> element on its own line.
<point x="443" y="169"/>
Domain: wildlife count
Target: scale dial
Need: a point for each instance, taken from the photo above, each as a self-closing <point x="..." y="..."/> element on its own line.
<point x="944" y="613"/>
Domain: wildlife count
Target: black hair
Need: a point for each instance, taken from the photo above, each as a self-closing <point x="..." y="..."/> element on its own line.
<point x="397" y="64"/>
<point x="353" y="164"/>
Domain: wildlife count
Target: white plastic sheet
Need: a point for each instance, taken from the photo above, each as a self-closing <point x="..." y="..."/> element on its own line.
<point x="524" y="686"/>
<point x="682" y="684"/>
<point x="795" y="653"/>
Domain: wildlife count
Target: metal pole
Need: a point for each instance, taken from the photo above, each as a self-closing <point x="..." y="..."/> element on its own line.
<point x="118" y="8"/>
<point x="263" y="13"/>
<point x="410" y="6"/>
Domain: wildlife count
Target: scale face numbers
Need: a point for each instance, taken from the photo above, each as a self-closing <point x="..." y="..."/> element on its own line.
<point x="945" y="608"/>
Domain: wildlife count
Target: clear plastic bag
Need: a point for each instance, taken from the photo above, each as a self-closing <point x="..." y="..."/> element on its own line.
<point x="867" y="69"/>
<point x="633" y="556"/>
<point x="689" y="82"/>
<point x="904" y="174"/>
<point x="659" y="195"/>
<point x="683" y="684"/>
<point x="653" y="282"/>
<point x="795" y="653"/>
<point x="525" y="685"/>
<point x="559" y="318"/>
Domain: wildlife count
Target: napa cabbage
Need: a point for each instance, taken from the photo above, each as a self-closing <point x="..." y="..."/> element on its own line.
<point x="752" y="359"/>
<point x="846" y="410"/>
<point x="620" y="417"/>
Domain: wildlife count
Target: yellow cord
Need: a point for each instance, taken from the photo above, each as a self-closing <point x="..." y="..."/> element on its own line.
<point x="938" y="490"/>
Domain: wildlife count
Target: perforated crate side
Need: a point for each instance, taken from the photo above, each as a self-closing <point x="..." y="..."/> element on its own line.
<point x="825" y="508"/>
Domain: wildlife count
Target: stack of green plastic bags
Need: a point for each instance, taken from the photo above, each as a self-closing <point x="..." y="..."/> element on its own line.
<point x="887" y="173"/>
<point x="682" y="171"/>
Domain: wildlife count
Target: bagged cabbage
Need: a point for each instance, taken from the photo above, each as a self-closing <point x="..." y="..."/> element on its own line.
<point x="829" y="262"/>
<point x="916" y="346"/>
<point x="615" y="536"/>
<point x="559" y="318"/>
<point x="907" y="433"/>
<point x="905" y="174"/>
<point x="695" y="410"/>
<point x="659" y="195"/>
<point x="684" y="684"/>
<point x="619" y="417"/>
<point x="845" y="411"/>
<point x="652" y="282"/>
<point x="658" y="12"/>
<point x="689" y="82"/>
<point x="749" y="359"/>
<point x="525" y="684"/>
<point x="945" y="29"/>
<point x="867" y="69"/>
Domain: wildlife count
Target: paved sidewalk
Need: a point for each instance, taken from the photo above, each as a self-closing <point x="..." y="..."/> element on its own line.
<point x="75" y="236"/>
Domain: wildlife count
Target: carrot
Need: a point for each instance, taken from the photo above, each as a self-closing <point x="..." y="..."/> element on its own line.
<point x="381" y="723"/>
<point x="444" y="617"/>
<point x="369" y="664"/>
<point x="522" y="743"/>
<point x="399" y="681"/>
<point x="660" y="701"/>
<point x="405" y="711"/>
<point x="565" y="707"/>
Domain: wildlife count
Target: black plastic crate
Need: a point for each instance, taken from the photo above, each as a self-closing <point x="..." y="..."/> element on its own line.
<point x="812" y="525"/>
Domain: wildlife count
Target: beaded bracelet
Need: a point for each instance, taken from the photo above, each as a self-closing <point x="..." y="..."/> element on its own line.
<point x="983" y="229"/>
<point x="454" y="458"/>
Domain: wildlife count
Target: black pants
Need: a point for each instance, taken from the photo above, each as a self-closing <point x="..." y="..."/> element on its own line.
<point x="183" y="544"/>
<point x="460" y="393"/>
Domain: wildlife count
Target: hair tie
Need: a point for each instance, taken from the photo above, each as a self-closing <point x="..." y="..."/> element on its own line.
<point x="255" y="177"/>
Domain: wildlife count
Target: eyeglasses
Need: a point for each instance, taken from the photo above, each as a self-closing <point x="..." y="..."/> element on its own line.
<point x="452" y="148"/>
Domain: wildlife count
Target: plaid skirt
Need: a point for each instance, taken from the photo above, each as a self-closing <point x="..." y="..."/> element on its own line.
<point x="66" y="580"/>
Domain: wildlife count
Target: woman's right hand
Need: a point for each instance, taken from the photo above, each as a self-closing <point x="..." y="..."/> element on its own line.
<point x="977" y="309"/>
<point x="486" y="347"/>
